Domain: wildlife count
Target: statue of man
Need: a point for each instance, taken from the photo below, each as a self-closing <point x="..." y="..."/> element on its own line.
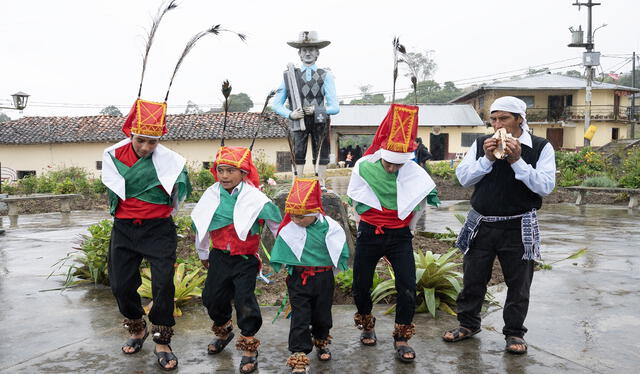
<point x="316" y="100"/>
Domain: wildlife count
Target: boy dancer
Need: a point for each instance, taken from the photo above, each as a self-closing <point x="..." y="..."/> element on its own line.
<point x="146" y="182"/>
<point x="229" y="214"/>
<point x="311" y="245"/>
<point x="386" y="188"/>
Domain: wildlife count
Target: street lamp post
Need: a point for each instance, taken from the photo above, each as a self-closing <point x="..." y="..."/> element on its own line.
<point x="19" y="103"/>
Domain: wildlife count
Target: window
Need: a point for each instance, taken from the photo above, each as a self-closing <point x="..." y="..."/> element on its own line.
<point x="529" y="100"/>
<point x="283" y="161"/>
<point x="25" y="173"/>
<point x="469" y="137"/>
<point x="98" y="165"/>
<point x="481" y="103"/>
<point x="207" y="164"/>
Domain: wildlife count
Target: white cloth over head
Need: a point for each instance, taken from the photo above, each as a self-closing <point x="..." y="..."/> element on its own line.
<point x="513" y="105"/>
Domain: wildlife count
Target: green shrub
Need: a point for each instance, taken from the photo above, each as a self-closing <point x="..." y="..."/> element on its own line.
<point x="60" y="181"/>
<point x="45" y="184"/>
<point x="187" y="283"/>
<point x="630" y="173"/>
<point x="266" y="170"/>
<point x="344" y="280"/>
<point x="599" y="181"/>
<point x="91" y="265"/>
<point x="10" y="188"/>
<point x="442" y="169"/>
<point x="568" y="177"/>
<point x="97" y="186"/>
<point x="201" y="179"/>
<point x="65" y="187"/>
<point x="437" y="282"/>
<point x="28" y="184"/>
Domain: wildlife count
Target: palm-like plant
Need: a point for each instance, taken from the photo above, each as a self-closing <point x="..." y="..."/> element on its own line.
<point x="187" y="286"/>
<point x="437" y="283"/>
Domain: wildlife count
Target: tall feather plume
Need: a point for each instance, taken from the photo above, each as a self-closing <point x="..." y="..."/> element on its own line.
<point x="215" y="30"/>
<point x="151" y="34"/>
<point x="226" y="91"/>
<point x="264" y="109"/>
<point x="397" y="49"/>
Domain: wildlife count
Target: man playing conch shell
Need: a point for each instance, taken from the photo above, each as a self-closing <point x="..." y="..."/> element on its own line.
<point x="502" y="222"/>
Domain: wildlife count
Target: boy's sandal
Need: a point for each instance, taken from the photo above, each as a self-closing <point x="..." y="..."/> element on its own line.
<point x="323" y="351"/>
<point x="513" y="341"/>
<point x="370" y="335"/>
<point x="135" y="343"/>
<point x="219" y="344"/>
<point x="402" y="350"/>
<point x="298" y="362"/>
<point x="246" y="360"/>
<point x="459" y="333"/>
<point x="164" y="358"/>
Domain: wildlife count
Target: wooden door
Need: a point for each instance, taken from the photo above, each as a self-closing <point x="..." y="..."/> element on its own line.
<point x="555" y="137"/>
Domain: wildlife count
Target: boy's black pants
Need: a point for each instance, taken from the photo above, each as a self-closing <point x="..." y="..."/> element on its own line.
<point x="131" y="241"/>
<point x="310" y="308"/>
<point x="396" y="245"/>
<point x="232" y="278"/>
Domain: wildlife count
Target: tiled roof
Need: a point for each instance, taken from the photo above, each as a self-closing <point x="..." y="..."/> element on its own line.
<point x="544" y="82"/>
<point x="429" y="115"/>
<point x="88" y="129"/>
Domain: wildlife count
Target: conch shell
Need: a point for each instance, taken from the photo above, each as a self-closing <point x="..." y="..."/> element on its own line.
<point x="502" y="137"/>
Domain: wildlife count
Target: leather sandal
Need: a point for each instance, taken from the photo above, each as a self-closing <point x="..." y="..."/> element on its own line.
<point x="219" y="344"/>
<point x="459" y="333"/>
<point x="249" y="360"/>
<point x="323" y="351"/>
<point x="513" y="341"/>
<point x="371" y="334"/>
<point x="135" y="343"/>
<point x="164" y="358"/>
<point x="401" y="350"/>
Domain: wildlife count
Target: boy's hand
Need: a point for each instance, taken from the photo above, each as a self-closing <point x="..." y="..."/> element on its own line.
<point x="205" y="263"/>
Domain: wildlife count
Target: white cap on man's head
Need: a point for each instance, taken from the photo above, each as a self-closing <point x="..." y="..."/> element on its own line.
<point x="512" y="105"/>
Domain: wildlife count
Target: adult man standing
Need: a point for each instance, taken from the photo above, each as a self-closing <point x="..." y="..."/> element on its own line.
<point x="146" y="182"/>
<point x="317" y="91"/>
<point x="502" y="221"/>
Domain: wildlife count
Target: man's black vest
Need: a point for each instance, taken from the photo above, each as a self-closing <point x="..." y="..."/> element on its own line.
<point x="499" y="193"/>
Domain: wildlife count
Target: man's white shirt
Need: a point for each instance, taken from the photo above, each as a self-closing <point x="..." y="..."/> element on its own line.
<point x="541" y="179"/>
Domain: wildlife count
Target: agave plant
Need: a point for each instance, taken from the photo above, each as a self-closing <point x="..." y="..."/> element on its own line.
<point x="187" y="286"/>
<point x="437" y="283"/>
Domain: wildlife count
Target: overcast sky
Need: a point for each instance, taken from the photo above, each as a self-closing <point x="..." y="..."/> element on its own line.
<point x="77" y="56"/>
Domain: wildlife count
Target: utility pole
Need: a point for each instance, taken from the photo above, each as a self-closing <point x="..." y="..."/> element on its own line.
<point x="589" y="60"/>
<point x="633" y="97"/>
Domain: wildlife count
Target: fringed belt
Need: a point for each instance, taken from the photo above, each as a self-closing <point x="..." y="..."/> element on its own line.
<point x="529" y="229"/>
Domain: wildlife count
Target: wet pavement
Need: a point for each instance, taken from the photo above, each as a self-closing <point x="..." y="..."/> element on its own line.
<point x="582" y="319"/>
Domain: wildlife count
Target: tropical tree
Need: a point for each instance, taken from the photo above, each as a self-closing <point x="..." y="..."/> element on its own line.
<point x="111" y="110"/>
<point x="240" y="102"/>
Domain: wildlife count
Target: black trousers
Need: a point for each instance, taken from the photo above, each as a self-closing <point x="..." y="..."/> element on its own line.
<point x="232" y="278"/>
<point x="396" y="245"/>
<point x="310" y="306"/>
<point x="155" y="240"/>
<point x="502" y="239"/>
<point x="300" y="140"/>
